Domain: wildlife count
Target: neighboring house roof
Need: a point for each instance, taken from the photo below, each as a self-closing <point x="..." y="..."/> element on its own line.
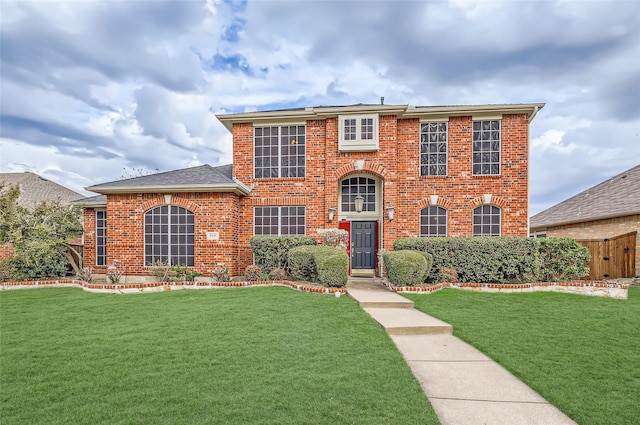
<point x="92" y="201"/>
<point x="204" y="178"/>
<point x="402" y="111"/>
<point x="35" y="189"/>
<point x="616" y="197"/>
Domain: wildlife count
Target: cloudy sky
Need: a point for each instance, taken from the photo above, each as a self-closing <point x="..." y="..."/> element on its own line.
<point x="92" y="91"/>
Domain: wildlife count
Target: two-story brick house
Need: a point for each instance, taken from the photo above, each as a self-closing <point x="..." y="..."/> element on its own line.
<point x="381" y="172"/>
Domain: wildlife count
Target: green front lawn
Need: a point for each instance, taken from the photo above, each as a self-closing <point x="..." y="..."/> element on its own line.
<point x="227" y="356"/>
<point x="580" y="353"/>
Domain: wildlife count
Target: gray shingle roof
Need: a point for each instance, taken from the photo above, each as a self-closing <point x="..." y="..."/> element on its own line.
<point x="92" y="201"/>
<point x="35" y="189"/>
<point x="615" y="197"/>
<point x="201" y="178"/>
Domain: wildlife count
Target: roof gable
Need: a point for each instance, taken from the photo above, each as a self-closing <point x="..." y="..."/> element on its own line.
<point x="615" y="197"/>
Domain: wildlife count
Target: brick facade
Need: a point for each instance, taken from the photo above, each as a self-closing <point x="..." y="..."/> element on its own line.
<point x="395" y="167"/>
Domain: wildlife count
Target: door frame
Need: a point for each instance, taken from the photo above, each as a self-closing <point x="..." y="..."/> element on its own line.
<point x="346" y="225"/>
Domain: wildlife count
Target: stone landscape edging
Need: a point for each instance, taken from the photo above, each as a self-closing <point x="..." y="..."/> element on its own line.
<point x="131" y="288"/>
<point x="581" y="287"/>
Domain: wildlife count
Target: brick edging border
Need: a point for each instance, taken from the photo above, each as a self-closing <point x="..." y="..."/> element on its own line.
<point x="583" y="287"/>
<point x="164" y="286"/>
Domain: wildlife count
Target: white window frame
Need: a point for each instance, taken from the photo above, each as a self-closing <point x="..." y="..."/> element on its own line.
<point x="359" y="144"/>
<point x="429" y="225"/>
<point x="495" y="211"/>
<point x="104" y="237"/>
<point x="425" y="166"/>
<point x="482" y="153"/>
<point x="301" y="142"/>
<point x="280" y="220"/>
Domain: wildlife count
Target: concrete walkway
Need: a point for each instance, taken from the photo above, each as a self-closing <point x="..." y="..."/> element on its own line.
<point x="464" y="386"/>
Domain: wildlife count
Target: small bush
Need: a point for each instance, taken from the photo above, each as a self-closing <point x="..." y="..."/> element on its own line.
<point x="324" y="264"/>
<point x="220" y="273"/>
<point x="86" y="274"/>
<point x="333" y="267"/>
<point x="9" y="271"/>
<point x="161" y="270"/>
<point x="429" y="259"/>
<point x="334" y="237"/>
<point x="278" y="274"/>
<point x="184" y="274"/>
<point x="302" y="264"/>
<point x="448" y="275"/>
<point x="270" y="252"/>
<point x="563" y="259"/>
<point x="405" y="268"/>
<point x="252" y="273"/>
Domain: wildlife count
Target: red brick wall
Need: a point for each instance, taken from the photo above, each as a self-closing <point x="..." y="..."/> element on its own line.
<point x="600" y="229"/>
<point x="396" y="163"/>
<point x="213" y="212"/>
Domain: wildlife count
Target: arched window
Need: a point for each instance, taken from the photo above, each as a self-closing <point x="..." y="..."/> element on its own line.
<point x="168" y="235"/>
<point x="487" y="221"/>
<point x="351" y="187"/>
<point x="433" y="221"/>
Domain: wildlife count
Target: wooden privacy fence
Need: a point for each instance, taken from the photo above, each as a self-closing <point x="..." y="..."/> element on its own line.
<point x="613" y="257"/>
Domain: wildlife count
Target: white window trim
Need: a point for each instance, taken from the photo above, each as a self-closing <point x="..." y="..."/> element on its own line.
<point x="358" y="145"/>
<point x="279" y="207"/>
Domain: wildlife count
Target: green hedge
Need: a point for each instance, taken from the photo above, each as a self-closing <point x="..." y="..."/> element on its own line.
<point x="406" y="268"/>
<point x="563" y="259"/>
<point x="502" y="259"/>
<point x="270" y="252"/>
<point x="324" y="264"/>
<point x="480" y="259"/>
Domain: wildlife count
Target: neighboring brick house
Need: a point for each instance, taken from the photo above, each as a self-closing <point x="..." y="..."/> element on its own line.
<point x="33" y="191"/>
<point x="382" y="172"/>
<point x="605" y="211"/>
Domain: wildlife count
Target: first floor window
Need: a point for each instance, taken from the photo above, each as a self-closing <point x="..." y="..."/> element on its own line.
<point x="487" y="221"/>
<point x="279" y="221"/>
<point x="486" y="147"/>
<point x="433" y="221"/>
<point x="101" y="238"/>
<point x="169" y="235"/>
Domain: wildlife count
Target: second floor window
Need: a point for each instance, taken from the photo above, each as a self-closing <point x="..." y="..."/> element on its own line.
<point x="279" y="151"/>
<point x="358" y="133"/>
<point x="433" y="149"/>
<point x="486" y="147"/>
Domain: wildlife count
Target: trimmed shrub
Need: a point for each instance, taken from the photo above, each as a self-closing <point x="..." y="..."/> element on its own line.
<point x="405" y="268"/>
<point x="270" y="252"/>
<point x="252" y="273"/>
<point x="324" y="264"/>
<point x="302" y="264"/>
<point x="278" y="274"/>
<point x="333" y="266"/>
<point x="429" y="259"/>
<point x="563" y="259"/>
<point x="480" y="259"/>
<point x="334" y="237"/>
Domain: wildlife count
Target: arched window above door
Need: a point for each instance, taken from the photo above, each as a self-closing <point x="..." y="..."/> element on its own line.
<point x="353" y="187"/>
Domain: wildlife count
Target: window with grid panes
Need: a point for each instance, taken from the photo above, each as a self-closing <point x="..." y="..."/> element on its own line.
<point x="358" y="133"/>
<point x="101" y="238"/>
<point x="433" y="149"/>
<point x="169" y="236"/>
<point x="487" y="221"/>
<point x="354" y="186"/>
<point x="279" y="151"/>
<point x="279" y="221"/>
<point x="433" y="221"/>
<point x="486" y="147"/>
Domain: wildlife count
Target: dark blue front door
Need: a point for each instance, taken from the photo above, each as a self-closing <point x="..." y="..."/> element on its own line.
<point x="363" y="243"/>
